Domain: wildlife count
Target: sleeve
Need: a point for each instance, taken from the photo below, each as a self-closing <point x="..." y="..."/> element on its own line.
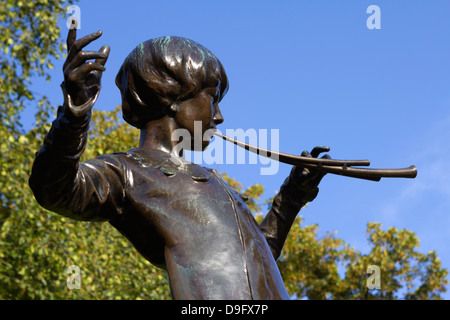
<point x="285" y="207"/>
<point x="88" y="191"/>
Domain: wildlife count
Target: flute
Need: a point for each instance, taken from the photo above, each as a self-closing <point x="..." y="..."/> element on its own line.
<point x="339" y="167"/>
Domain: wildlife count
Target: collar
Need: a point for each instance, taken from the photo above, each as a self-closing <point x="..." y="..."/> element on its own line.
<point x="163" y="161"/>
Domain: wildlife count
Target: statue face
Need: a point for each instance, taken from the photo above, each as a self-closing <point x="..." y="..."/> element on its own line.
<point x="203" y="107"/>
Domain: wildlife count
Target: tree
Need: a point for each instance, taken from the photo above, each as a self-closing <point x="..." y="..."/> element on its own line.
<point x="310" y="266"/>
<point x="29" y="39"/>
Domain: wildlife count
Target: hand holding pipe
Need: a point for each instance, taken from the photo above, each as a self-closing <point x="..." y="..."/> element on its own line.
<point x="339" y="167"/>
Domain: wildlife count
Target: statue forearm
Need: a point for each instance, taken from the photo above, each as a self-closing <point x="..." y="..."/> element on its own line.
<point x="56" y="163"/>
<point x="285" y="207"/>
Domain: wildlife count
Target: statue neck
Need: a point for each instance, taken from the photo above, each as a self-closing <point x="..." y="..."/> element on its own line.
<point x="157" y="134"/>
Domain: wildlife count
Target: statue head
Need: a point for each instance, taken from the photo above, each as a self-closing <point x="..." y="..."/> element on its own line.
<point x="161" y="73"/>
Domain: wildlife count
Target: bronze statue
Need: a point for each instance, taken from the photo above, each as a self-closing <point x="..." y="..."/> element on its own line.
<point x="181" y="217"/>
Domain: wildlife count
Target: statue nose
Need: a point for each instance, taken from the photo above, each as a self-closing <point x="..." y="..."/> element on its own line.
<point x="218" y="118"/>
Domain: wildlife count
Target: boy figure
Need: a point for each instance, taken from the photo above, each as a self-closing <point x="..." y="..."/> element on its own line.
<point x="181" y="217"/>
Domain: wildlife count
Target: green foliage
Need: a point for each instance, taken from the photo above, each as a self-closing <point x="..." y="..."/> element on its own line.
<point x="310" y="266"/>
<point x="29" y="40"/>
<point x="405" y="272"/>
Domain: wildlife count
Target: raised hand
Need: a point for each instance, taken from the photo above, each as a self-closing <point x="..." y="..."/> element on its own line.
<point x="82" y="78"/>
<point x="309" y="179"/>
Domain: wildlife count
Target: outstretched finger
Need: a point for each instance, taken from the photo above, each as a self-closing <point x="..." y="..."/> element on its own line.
<point x="318" y="150"/>
<point x="105" y="51"/>
<point x="83" y="42"/>
<point x="72" y="36"/>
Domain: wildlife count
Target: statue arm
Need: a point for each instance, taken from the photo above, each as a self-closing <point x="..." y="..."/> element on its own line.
<point x="299" y="188"/>
<point x="89" y="191"/>
<point x="285" y="207"/>
<point x="83" y="191"/>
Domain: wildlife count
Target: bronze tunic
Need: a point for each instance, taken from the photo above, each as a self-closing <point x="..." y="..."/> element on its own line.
<point x="182" y="218"/>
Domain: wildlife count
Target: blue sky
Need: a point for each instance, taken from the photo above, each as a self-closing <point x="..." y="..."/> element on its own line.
<point x="313" y="70"/>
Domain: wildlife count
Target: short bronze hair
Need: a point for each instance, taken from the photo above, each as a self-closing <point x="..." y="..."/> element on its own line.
<point x="162" y="71"/>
